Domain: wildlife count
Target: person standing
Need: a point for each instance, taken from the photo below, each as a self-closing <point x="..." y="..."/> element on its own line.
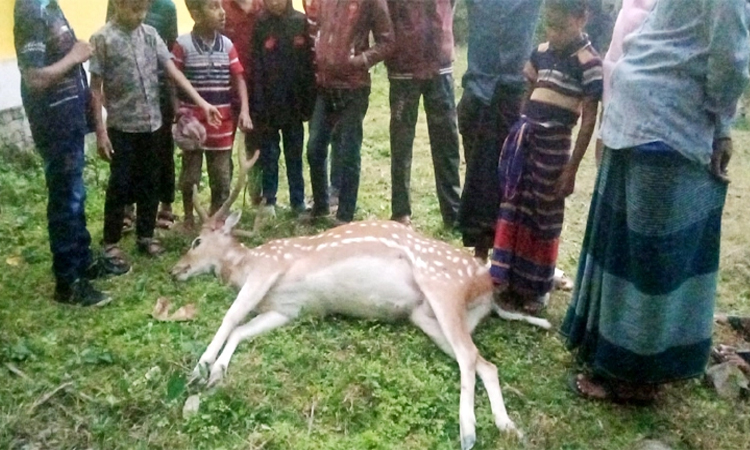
<point x="239" y="26"/>
<point x="500" y="41"/>
<point x="55" y="96"/>
<point x="641" y="313"/>
<point x="343" y="59"/>
<point x="162" y="15"/>
<point x="421" y="65"/>
<point x="283" y="96"/>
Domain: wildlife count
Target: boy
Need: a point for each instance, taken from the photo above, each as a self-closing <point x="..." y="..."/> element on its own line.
<point x="422" y="66"/>
<point x="210" y="62"/>
<point x="124" y="69"/>
<point x="283" y="96"/>
<point x="162" y="15"/>
<point x="55" y="92"/>
<point x="343" y="58"/>
<point x="536" y="168"/>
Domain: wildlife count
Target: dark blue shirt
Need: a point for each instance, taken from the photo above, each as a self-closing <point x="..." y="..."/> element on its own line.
<point x="500" y="41"/>
<point x="43" y="37"/>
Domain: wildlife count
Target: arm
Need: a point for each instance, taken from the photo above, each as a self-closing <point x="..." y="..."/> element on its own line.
<point x="382" y="31"/>
<point x="103" y="145"/>
<point x="728" y="54"/>
<point x="238" y="83"/>
<point x="213" y="116"/>
<point x="566" y="183"/>
<point x="39" y="79"/>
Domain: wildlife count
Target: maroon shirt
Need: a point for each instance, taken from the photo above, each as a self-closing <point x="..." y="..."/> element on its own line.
<point x="238" y="27"/>
<point x="424" y="38"/>
<point x="344" y="32"/>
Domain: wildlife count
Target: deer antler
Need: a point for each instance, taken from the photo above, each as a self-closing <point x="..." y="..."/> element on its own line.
<point x="197" y="205"/>
<point x="245" y="166"/>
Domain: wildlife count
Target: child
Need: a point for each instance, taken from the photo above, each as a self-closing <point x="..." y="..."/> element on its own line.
<point x="537" y="170"/>
<point x="124" y="69"/>
<point x="211" y="63"/>
<point x="283" y="96"/>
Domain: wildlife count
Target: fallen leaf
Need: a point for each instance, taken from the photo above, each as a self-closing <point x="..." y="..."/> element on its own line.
<point x="13" y="261"/>
<point x="161" y="311"/>
<point x="185" y="313"/>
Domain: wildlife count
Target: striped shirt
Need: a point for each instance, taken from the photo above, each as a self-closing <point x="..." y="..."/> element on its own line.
<point x="210" y="68"/>
<point x="562" y="80"/>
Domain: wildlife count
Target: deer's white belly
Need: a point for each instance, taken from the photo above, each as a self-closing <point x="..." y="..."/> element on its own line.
<point x="360" y="286"/>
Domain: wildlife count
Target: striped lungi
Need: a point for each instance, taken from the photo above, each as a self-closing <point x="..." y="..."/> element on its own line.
<point x="531" y="214"/>
<point x="643" y="303"/>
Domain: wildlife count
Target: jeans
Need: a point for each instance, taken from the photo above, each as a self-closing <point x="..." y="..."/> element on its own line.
<point x="440" y="107"/>
<point x="343" y="110"/>
<point x="293" y="135"/>
<point x="133" y="177"/>
<point x="484" y="129"/>
<point x="69" y="240"/>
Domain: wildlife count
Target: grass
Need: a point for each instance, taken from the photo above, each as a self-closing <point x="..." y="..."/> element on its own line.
<point x="115" y="378"/>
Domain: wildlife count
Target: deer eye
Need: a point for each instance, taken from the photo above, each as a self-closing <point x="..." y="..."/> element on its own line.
<point x="196" y="243"/>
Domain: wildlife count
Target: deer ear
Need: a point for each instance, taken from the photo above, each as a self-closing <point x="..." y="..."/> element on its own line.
<point x="231" y="222"/>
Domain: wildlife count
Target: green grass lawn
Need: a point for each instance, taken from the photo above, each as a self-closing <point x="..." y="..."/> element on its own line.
<point x="115" y="378"/>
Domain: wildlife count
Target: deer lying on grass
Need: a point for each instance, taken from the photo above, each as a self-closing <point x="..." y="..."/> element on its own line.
<point x="374" y="270"/>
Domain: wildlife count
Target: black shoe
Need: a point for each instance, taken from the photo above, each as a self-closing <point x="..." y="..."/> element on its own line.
<point x="80" y="292"/>
<point x="104" y="266"/>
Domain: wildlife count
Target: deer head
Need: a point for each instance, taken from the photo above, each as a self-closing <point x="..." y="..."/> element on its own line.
<point x="216" y="239"/>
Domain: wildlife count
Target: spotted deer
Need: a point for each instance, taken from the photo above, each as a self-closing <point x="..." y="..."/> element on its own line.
<point x="372" y="269"/>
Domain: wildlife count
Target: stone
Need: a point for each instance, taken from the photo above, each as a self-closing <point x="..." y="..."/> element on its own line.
<point x="191" y="406"/>
<point x="728" y="380"/>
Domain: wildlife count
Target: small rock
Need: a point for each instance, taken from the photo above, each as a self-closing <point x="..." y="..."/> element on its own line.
<point x="191" y="406"/>
<point x="727" y="379"/>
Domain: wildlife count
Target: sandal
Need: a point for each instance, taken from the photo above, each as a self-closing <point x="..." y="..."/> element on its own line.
<point x="150" y="246"/>
<point x="114" y="260"/>
<point x="165" y="219"/>
<point x="128" y="220"/>
<point x="562" y="282"/>
<point x="601" y="389"/>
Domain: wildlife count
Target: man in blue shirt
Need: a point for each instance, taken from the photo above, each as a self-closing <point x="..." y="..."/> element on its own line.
<point x="55" y="96"/>
<point x="500" y="41"/>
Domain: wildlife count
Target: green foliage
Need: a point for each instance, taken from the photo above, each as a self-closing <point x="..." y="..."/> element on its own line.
<point x="315" y="384"/>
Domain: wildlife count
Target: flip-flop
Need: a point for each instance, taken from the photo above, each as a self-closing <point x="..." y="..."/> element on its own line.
<point x="612" y="393"/>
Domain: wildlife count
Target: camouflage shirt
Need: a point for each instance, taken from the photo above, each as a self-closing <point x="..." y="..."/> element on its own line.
<point x="129" y="62"/>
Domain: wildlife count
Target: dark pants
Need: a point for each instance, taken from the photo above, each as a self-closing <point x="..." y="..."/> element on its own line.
<point x="69" y="240"/>
<point x="484" y="129"/>
<point x="165" y="153"/>
<point x="133" y="178"/>
<point x="344" y="110"/>
<point x="440" y="108"/>
<point x="293" y="135"/>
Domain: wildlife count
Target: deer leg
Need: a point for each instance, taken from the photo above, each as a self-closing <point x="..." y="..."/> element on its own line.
<point x="257" y="325"/>
<point x="431" y="327"/>
<point x="488" y="373"/>
<point x="248" y="298"/>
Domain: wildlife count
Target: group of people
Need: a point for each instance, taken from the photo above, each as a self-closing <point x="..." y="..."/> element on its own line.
<point x="641" y="310"/>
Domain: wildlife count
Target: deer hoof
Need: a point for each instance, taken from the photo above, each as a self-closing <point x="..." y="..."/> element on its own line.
<point x="508" y="427"/>
<point x="198" y="376"/>
<point x="217" y="374"/>
<point x="467" y="442"/>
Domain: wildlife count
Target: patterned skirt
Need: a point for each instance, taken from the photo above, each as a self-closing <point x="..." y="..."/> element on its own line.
<point x="642" y="308"/>
<point x="531" y="215"/>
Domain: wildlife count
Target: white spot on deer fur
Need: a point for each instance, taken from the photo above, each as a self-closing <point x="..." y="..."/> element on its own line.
<point x="334" y="244"/>
<point x="321" y="246"/>
<point x="417" y="247"/>
<point x="438" y="263"/>
<point x="447" y="275"/>
<point x="431" y="249"/>
<point x="460" y="273"/>
<point x="394" y="236"/>
<point x="348" y="232"/>
<point x="287" y="256"/>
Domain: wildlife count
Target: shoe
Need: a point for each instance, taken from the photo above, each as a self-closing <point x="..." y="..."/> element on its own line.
<point x="81" y="293"/>
<point x="104" y="266"/>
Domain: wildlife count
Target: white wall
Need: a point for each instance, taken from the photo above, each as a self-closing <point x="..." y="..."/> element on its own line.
<point x="10" y="84"/>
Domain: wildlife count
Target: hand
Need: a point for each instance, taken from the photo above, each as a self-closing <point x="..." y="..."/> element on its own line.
<point x="213" y="116"/>
<point x="81" y="52"/>
<point x="244" y="122"/>
<point x="566" y="184"/>
<point x="104" y="146"/>
<point x="722" y="153"/>
<point x="357" y="61"/>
